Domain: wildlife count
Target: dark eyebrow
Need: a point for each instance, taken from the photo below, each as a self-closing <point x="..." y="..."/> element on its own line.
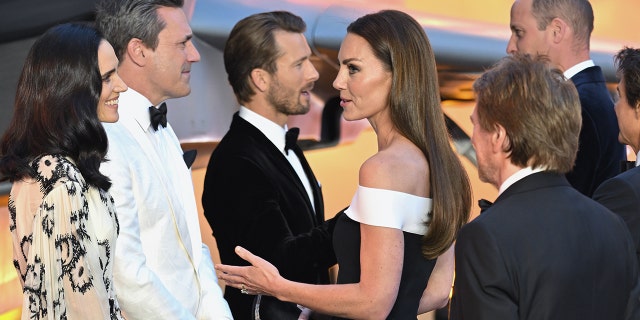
<point x="345" y="61"/>
<point x="108" y="74"/>
<point x="301" y="60"/>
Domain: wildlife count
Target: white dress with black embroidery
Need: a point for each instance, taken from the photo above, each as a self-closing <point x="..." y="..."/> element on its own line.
<point x="64" y="232"/>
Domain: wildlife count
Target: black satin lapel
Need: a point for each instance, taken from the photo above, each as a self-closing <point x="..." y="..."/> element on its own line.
<point x="278" y="158"/>
<point x="315" y="186"/>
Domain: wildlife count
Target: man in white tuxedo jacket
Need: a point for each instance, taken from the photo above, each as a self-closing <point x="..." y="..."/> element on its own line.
<point x="162" y="270"/>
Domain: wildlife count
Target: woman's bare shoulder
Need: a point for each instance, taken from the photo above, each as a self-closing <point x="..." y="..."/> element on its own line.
<point x="400" y="168"/>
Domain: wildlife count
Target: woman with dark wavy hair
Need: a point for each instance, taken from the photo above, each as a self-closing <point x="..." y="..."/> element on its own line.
<point x="63" y="223"/>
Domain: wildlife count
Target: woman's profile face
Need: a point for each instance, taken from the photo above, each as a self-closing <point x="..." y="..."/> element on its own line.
<point x="112" y="85"/>
<point x="363" y="80"/>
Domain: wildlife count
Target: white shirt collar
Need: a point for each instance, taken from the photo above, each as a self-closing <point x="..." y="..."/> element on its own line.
<point x="638" y="159"/>
<point x="274" y="132"/>
<point x="137" y="107"/>
<point x="577" y="68"/>
<point x="518" y="176"/>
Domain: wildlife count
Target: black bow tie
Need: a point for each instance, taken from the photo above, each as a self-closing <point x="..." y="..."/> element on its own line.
<point x="290" y="139"/>
<point x="158" y="116"/>
<point x="626" y="165"/>
<point x="484" y="204"/>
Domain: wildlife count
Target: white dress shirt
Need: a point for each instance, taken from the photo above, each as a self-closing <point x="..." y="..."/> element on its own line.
<point x="520" y="174"/>
<point x="276" y="134"/>
<point x="577" y="68"/>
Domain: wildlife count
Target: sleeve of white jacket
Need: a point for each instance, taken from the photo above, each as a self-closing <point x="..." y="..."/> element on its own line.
<point x="212" y="305"/>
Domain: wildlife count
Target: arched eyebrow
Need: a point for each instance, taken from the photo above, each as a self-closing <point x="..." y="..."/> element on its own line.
<point x="108" y="74"/>
<point x="348" y="60"/>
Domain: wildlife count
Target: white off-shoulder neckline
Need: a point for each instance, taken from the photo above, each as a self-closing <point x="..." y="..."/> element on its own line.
<point x="390" y="208"/>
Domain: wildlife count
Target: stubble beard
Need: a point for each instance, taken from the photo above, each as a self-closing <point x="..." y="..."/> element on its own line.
<point x="282" y="100"/>
<point x="487" y="174"/>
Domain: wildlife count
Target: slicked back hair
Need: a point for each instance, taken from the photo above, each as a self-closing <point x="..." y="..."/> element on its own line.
<point x="251" y="44"/>
<point x="122" y="20"/>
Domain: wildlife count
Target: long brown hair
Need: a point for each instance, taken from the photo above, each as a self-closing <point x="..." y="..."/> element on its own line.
<point x="402" y="45"/>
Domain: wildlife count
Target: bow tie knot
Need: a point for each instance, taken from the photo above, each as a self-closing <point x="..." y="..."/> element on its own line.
<point x="158" y="116"/>
<point x="626" y="165"/>
<point x="290" y="139"/>
<point x="484" y="204"/>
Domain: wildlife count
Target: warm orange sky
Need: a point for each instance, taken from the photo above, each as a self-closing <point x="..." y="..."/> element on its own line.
<point x="614" y="19"/>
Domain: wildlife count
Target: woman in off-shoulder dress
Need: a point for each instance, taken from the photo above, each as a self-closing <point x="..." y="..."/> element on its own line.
<point x="63" y="222"/>
<point x="394" y="243"/>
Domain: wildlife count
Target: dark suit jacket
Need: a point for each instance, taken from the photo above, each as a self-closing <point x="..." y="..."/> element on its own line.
<point x="621" y="194"/>
<point x="599" y="153"/>
<point x="253" y="198"/>
<point x="544" y="251"/>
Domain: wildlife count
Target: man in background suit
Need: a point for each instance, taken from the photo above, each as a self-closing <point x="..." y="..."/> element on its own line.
<point x="542" y="250"/>
<point x="162" y="269"/>
<point x="561" y="29"/>
<point x="258" y="193"/>
<point x="621" y="194"/>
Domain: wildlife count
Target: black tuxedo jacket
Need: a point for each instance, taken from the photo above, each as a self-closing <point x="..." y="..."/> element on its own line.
<point x="253" y="198"/>
<point x="621" y="194"/>
<point x="544" y="251"/>
<point x="599" y="153"/>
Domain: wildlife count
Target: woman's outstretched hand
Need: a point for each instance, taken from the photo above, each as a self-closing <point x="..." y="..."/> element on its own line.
<point x="259" y="278"/>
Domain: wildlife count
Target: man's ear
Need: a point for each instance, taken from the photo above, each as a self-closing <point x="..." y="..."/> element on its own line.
<point x="260" y="79"/>
<point x="559" y="28"/>
<point x="137" y="52"/>
<point x="499" y="139"/>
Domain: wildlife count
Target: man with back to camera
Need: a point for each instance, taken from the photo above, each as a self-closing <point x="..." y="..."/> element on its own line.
<point x="561" y="30"/>
<point x="162" y="270"/>
<point x="543" y="250"/>
<point x="259" y="191"/>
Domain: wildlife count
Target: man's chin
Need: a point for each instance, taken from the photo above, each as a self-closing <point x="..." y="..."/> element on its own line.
<point x="182" y="92"/>
<point x="302" y="109"/>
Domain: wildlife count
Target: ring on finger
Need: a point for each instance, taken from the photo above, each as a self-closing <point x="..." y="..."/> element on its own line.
<point x="243" y="290"/>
